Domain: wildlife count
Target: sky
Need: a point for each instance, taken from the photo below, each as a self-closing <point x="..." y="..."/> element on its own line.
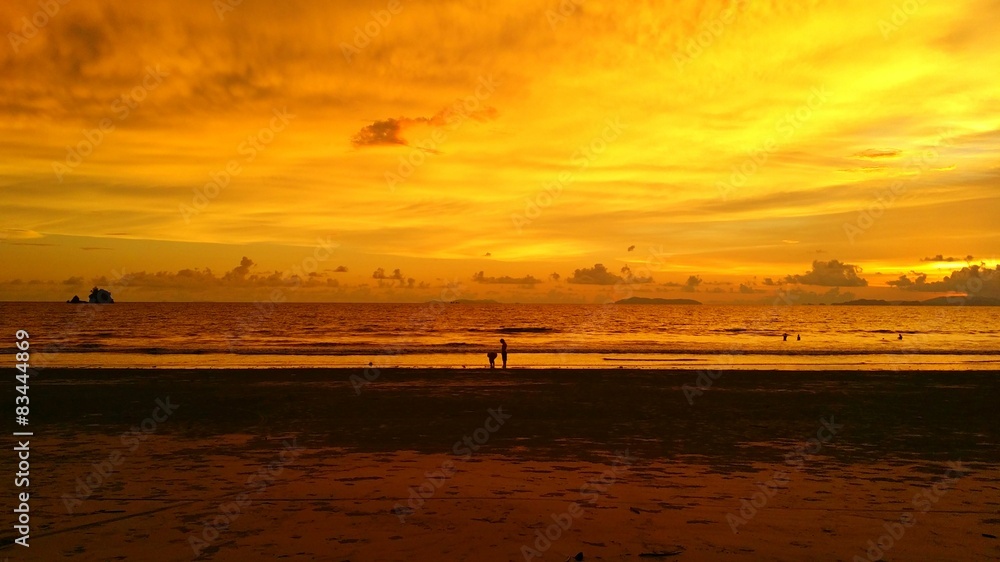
<point x="519" y="151"/>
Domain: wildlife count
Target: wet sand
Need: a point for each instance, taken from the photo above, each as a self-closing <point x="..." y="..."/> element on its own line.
<point x="480" y="465"/>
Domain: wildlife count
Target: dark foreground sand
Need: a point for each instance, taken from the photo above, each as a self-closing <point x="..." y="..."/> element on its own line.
<point x="299" y="465"/>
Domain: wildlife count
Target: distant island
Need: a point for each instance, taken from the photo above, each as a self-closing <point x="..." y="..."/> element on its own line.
<point x="97" y="296"/>
<point x="644" y="300"/>
<point x="464" y="301"/>
<point x="939" y="301"/>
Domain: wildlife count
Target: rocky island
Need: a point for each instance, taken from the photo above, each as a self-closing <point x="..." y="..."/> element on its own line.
<point x="97" y="296"/>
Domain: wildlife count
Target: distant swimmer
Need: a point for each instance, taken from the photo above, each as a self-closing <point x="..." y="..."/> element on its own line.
<point x="784" y="337"/>
<point x="492" y="356"/>
<point x="798" y="338"/>
<point x="503" y="352"/>
<point x="900" y="337"/>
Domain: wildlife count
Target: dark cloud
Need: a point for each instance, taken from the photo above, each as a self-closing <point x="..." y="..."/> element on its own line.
<point x="505" y="280"/>
<point x="73" y="281"/>
<point x="390" y="131"/>
<point x="942" y="259"/>
<point x="239" y="272"/>
<point x="632" y="247"/>
<point x="380" y="274"/>
<point x="746" y="289"/>
<point x="975" y="280"/>
<point x="203" y="279"/>
<point x="830" y="274"/>
<point x="390" y="279"/>
<point x="599" y="275"/>
<point x="769" y="282"/>
<point x="380" y="132"/>
<point x="691" y="285"/>
<point x="555" y="276"/>
<point x="873" y="153"/>
<point x="340" y="269"/>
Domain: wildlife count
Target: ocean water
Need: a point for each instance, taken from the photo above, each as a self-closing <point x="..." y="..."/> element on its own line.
<point x="218" y="335"/>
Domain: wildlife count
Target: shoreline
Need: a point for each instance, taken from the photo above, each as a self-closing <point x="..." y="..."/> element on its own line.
<point x="929" y="361"/>
<point x="411" y="464"/>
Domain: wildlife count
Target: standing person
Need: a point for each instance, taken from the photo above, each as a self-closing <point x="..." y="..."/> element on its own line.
<point x="503" y="352"/>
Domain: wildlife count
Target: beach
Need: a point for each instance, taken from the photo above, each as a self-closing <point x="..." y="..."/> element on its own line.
<point x="478" y="464"/>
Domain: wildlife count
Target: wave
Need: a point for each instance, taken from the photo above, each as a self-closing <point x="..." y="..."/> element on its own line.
<point x="455" y="348"/>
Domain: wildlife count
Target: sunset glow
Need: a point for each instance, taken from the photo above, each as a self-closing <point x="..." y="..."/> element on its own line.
<point x="205" y="147"/>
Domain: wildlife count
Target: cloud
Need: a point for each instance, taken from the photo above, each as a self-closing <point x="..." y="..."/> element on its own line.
<point x="691" y="284"/>
<point x="632" y="247"/>
<point x="379" y="274"/>
<point x="873" y="153"/>
<point x="204" y="279"/>
<point x="555" y="276"/>
<point x="505" y="280"/>
<point x="390" y="131"/>
<point x="976" y="280"/>
<point x="19" y="234"/>
<point x="942" y="259"/>
<point x="599" y="275"/>
<point x="387" y="131"/>
<point x="94" y="248"/>
<point x="340" y="269"/>
<point x="746" y="289"/>
<point x="73" y="281"/>
<point x="830" y="274"/>
<point x="241" y="271"/>
<point x="396" y="275"/>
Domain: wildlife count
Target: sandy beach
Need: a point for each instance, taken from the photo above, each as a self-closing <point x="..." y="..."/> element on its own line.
<point x="511" y="465"/>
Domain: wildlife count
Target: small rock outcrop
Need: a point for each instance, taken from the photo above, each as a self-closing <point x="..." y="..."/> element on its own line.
<point x="100" y="296"/>
<point x="97" y="296"/>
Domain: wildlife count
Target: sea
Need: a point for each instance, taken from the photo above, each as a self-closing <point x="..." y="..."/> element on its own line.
<point x="457" y="335"/>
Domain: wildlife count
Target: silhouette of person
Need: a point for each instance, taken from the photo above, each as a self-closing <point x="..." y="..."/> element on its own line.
<point x="784" y="337"/>
<point x="503" y="352"/>
<point x="798" y="337"/>
<point x="900" y="336"/>
<point x="492" y="356"/>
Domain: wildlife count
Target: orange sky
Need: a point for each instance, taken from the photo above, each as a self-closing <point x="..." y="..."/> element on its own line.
<point x="732" y="141"/>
